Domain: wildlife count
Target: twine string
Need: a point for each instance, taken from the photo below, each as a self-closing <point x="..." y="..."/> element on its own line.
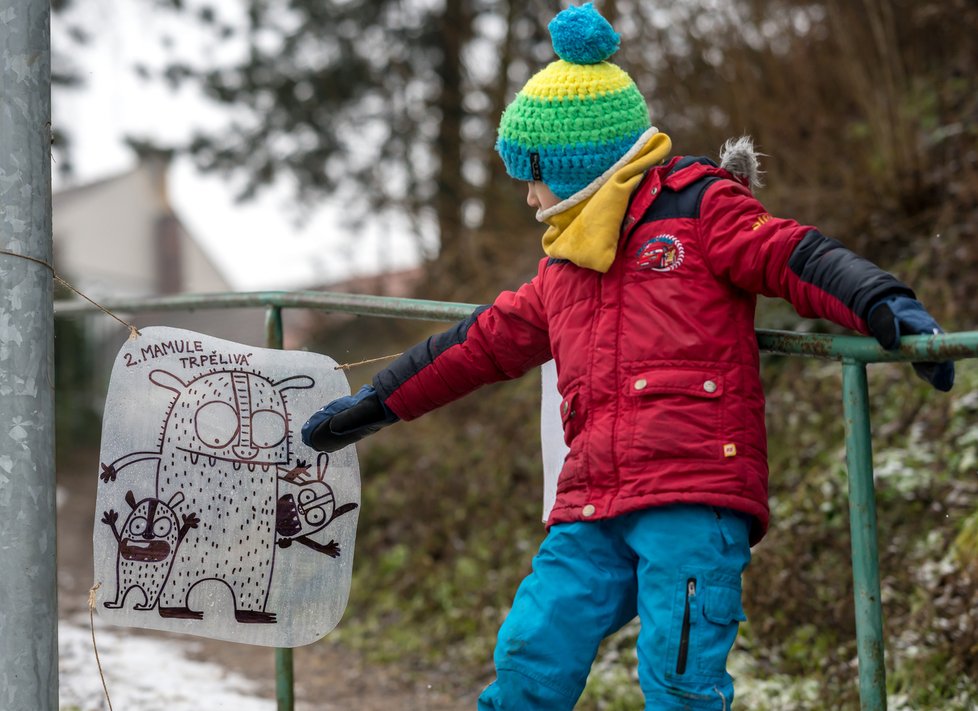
<point x="133" y="331"/>
<point x="347" y="366"/>
<point x="91" y="619"/>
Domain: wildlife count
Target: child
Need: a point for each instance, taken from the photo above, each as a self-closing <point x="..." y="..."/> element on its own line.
<point x="646" y="301"/>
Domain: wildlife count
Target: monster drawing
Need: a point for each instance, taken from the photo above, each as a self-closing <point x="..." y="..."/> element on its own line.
<point x="307" y="506"/>
<point x="224" y="439"/>
<point x="147" y="544"/>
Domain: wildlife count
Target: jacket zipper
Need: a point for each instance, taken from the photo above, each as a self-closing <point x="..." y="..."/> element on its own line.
<point x="684" y="637"/>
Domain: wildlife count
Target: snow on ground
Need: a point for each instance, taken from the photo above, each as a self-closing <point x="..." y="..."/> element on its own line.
<point x="144" y="673"/>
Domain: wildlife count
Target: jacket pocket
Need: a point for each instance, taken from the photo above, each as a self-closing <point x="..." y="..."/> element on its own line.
<point x="571" y="416"/>
<point x="675" y="413"/>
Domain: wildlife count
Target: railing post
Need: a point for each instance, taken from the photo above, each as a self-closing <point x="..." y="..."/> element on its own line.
<point x="284" y="679"/>
<point x="274" y="337"/>
<point x="284" y="675"/>
<point x="865" y="546"/>
<point x="28" y="583"/>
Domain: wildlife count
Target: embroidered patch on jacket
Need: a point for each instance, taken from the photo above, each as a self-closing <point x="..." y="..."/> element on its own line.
<point x="730" y="450"/>
<point x="662" y="253"/>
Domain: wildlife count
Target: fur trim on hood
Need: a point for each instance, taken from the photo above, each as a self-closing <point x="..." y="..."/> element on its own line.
<point x="738" y="156"/>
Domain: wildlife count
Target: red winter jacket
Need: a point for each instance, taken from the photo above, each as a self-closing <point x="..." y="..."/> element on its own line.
<point x="657" y="359"/>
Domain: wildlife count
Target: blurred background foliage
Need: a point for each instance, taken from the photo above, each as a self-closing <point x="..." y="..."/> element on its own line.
<point x="867" y="112"/>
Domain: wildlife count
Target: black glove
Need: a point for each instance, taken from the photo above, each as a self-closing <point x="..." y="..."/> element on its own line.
<point x="896" y="316"/>
<point x="347" y="420"/>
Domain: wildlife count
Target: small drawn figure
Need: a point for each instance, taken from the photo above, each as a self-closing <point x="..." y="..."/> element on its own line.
<point x="148" y="546"/>
<point x="307" y="506"/>
<point x="224" y="439"/>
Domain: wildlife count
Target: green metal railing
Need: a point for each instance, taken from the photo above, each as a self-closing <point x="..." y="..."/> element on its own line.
<point x="854" y="352"/>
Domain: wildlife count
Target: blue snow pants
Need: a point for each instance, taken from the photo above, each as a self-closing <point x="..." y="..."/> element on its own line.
<point x="677" y="567"/>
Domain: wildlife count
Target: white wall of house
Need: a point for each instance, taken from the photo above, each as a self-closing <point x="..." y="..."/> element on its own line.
<point x="107" y="243"/>
<point x="105" y="237"/>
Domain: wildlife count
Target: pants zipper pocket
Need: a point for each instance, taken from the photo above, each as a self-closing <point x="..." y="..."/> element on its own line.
<point x="684" y="636"/>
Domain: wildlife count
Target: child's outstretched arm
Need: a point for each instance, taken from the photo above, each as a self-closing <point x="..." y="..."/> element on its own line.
<point x="818" y="275"/>
<point x="497" y="342"/>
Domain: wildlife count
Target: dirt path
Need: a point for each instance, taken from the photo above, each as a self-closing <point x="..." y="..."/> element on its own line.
<point x="328" y="677"/>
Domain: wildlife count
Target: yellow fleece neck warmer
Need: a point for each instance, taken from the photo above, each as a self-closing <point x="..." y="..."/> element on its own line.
<point x="585" y="230"/>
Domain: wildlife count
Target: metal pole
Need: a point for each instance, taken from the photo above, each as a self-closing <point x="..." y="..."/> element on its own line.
<point x="284" y="679"/>
<point x="865" y="547"/>
<point x="284" y="674"/>
<point x="28" y="589"/>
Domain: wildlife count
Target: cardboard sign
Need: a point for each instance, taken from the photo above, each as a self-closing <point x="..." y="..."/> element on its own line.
<point x="212" y="517"/>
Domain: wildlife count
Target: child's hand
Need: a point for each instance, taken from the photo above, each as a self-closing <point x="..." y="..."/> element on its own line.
<point x="897" y="316"/>
<point x="347" y="420"/>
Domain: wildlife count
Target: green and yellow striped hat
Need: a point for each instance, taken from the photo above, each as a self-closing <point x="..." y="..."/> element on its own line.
<point x="579" y="115"/>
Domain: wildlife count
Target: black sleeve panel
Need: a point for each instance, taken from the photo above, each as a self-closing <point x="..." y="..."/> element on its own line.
<point x="827" y="265"/>
<point x="422" y="355"/>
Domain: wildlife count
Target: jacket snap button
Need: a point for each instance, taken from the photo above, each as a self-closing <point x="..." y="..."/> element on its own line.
<point x="655" y="190"/>
<point x="563" y="408"/>
<point x="588" y="511"/>
<point x="641" y="383"/>
<point x="710" y="386"/>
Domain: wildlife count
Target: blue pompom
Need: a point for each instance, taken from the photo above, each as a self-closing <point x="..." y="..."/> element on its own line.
<point x="582" y="36"/>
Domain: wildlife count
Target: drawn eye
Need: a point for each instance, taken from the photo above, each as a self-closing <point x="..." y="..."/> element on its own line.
<point x="315" y="516"/>
<point x="161" y="528"/>
<point x="137" y="526"/>
<point x="267" y="428"/>
<point x="306" y="495"/>
<point x="217" y="424"/>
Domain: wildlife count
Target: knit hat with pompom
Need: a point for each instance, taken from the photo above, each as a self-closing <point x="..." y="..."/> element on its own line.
<point x="579" y="115"/>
